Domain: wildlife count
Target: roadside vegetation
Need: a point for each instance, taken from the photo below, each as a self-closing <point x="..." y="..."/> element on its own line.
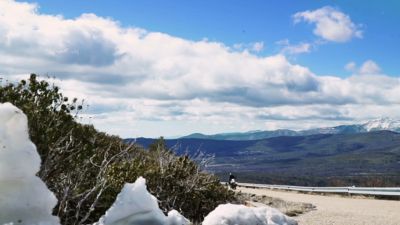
<point x="86" y="168"/>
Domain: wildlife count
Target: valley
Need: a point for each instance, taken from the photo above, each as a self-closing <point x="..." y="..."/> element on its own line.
<point x="368" y="159"/>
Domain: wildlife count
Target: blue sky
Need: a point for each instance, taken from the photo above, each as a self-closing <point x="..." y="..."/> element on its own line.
<point x="151" y="68"/>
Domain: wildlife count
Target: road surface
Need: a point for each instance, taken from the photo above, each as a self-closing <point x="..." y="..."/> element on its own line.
<point x="337" y="210"/>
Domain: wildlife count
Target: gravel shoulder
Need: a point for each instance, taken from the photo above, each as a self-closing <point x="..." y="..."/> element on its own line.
<point x="338" y="210"/>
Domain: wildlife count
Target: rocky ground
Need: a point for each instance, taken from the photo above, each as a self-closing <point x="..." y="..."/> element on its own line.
<point x="288" y="207"/>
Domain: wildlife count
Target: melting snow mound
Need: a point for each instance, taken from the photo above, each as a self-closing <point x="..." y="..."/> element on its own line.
<point x="135" y="205"/>
<point x="231" y="214"/>
<point x="24" y="198"/>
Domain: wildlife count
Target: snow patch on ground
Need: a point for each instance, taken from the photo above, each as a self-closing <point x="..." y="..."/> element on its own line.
<point x="135" y="205"/>
<point x="24" y="198"/>
<point x="231" y="214"/>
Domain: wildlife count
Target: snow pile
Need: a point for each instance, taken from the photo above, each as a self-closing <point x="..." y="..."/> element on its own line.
<point x="175" y="218"/>
<point x="135" y="205"/>
<point x="230" y="214"/>
<point x="24" y="198"/>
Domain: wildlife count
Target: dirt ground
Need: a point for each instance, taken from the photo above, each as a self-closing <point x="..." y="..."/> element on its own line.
<point x="338" y="210"/>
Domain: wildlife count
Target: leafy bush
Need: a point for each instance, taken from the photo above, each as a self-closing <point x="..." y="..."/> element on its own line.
<point x="86" y="168"/>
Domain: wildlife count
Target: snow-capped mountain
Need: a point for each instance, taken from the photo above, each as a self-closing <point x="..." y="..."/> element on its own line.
<point x="372" y="125"/>
<point x="382" y="124"/>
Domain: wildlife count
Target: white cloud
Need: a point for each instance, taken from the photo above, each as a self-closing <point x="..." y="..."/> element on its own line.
<point x="117" y="61"/>
<point x="132" y="77"/>
<point x="369" y="67"/>
<point x="330" y="24"/>
<point x="255" y="47"/>
<point x="351" y="66"/>
<point x="258" y="46"/>
<point x="290" y="49"/>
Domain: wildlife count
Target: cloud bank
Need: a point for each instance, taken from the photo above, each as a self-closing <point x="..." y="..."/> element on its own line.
<point x="130" y="75"/>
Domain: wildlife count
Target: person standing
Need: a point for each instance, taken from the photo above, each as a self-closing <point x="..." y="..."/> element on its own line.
<point x="232" y="182"/>
<point x="231" y="177"/>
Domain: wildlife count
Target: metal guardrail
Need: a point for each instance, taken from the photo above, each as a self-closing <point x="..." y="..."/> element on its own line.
<point x="378" y="191"/>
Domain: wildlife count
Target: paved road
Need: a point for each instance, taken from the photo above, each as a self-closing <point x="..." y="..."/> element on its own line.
<point x="337" y="210"/>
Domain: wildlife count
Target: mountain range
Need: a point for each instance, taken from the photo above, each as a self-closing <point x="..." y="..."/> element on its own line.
<point x="373" y="125"/>
<point x="364" y="155"/>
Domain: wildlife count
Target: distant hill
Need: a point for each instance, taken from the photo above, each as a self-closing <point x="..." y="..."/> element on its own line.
<point x="250" y="135"/>
<point x="375" y="153"/>
<point x="373" y="125"/>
